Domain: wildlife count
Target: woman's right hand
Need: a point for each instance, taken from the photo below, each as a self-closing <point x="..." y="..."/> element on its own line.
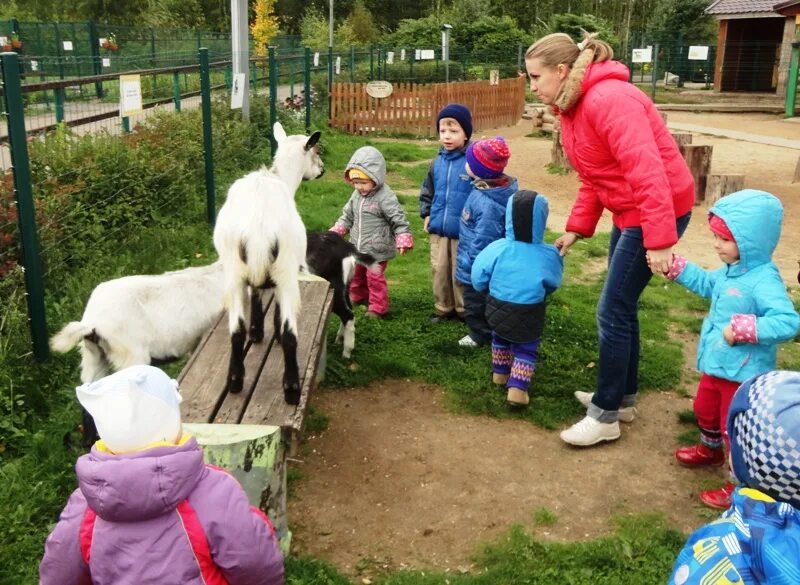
<point x="564" y="242"/>
<point x="426" y="222"/>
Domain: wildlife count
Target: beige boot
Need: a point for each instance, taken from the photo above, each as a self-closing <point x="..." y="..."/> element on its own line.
<point x="499" y="379"/>
<point x="517" y="397"/>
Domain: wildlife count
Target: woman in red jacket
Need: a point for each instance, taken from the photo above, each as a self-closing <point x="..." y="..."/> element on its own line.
<point x="628" y="163"/>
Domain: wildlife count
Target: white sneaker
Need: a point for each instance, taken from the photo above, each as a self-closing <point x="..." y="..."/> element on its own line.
<point x="467" y="341"/>
<point x="590" y="431"/>
<point x="625" y="414"/>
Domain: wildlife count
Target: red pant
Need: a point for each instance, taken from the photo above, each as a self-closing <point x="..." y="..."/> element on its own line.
<point x="369" y="285"/>
<point x="711" y="406"/>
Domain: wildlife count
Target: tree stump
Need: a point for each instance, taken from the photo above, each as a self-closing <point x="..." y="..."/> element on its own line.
<point x="256" y="456"/>
<point x="663" y="116"/>
<point x="718" y="186"/>
<point x="557" y="156"/>
<point x="796" y="178"/>
<point x="698" y="158"/>
<point x="682" y="138"/>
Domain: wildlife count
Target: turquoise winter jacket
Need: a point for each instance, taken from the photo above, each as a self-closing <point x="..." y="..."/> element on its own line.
<point x="752" y="287"/>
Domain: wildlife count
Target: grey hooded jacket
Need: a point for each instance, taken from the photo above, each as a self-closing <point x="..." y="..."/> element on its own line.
<point x="376" y="222"/>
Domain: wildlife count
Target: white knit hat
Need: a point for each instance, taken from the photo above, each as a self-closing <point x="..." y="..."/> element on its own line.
<point x="133" y="408"/>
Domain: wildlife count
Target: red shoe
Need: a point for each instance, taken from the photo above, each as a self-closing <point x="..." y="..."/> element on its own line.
<point x="719" y="499"/>
<point x="699" y="456"/>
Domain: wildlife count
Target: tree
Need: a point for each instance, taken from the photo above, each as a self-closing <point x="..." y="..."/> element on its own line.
<point x="685" y="19"/>
<point x="361" y="25"/>
<point x="173" y="14"/>
<point x="575" y="24"/>
<point x="264" y="26"/>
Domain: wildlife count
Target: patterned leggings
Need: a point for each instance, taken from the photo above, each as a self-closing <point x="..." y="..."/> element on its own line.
<point x="515" y="360"/>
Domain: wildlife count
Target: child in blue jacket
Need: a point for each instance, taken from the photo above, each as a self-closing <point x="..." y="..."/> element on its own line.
<point x="519" y="271"/>
<point x="482" y="222"/>
<point x="757" y="541"/>
<point x="441" y="200"/>
<point x="750" y="314"/>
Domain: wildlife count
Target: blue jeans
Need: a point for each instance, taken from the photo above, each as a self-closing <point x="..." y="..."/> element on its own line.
<point x="618" y="322"/>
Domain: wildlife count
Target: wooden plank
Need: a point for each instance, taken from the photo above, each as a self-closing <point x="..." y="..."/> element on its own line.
<point x="682" y="139"/>
<point x="718" y="186"/>
<point x="267" y="405"/>
<point x="796" y="178"/>
<point x="233" y="406"/>
<point x="698" y="157"/>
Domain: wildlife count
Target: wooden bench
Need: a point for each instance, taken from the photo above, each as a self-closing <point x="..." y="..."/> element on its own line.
<point x="265" y="429"/>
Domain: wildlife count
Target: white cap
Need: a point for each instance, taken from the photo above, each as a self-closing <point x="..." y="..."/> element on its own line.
<point x="134" y="408"/>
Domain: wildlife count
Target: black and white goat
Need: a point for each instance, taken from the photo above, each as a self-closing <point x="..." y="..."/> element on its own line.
<point x="261" y="242"/>
<point x="333" y="258"/>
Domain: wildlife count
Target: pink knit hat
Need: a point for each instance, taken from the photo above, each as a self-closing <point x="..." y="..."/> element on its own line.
<point x="719" y="227"/>
<point x="487" y="158"/>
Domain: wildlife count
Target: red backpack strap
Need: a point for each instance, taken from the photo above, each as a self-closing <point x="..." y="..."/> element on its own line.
<point x="199" y="543"/>
<point x="86" y="533"/>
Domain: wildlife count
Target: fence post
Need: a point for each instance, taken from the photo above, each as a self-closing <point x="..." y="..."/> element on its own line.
<point x="791" y="90"/>
<point x="126" y="125"/>
<point x="330" y="71"/>
<point x="273" y="97"/>
<point x="654" y="72"/>
<point x="26" y="215"/>
<point x="176" y="90"/>
<point x="371" y="65"/>
<point x="153" y="57"/>
<point x="519" y="56"/>
<point x="94" y="44"/>
<point x="352" y="63"/>
<point x="307" y="87"/>
<point x="208" y="143"/>
<point x="59" y="95"/>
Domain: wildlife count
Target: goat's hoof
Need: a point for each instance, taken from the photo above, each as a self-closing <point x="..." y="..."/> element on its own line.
<point x="291" y="394"/>
<point x="346" y="355"/>
<point x="235" y="385"/>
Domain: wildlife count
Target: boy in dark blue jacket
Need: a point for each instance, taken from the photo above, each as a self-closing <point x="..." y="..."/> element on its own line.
<point x="482" y="222"/>
<point x="441" y="199"/>
<point x="519" y="271"/>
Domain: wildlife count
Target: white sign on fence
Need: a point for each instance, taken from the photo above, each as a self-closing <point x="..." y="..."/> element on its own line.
<point x="698" y="53"/>
<point x="4" y="41"/>
<point x="67" y="45"/>
<point x="34" y="66"/>
<point x="237" y="91"/>
<point x="379" y="89"/>
<point x="316" y="59"/>
<point x="106" y="61"/>
<point x="424" y="54"/>
<point x="102" y="41"/>
<point x="494" y="77"/>
<point x="402" y="54"/>
<point x="130" y="95"/>
<point x="643" y="55"/>
<point x="338" y="65"/>
<point x="390" y="57"/>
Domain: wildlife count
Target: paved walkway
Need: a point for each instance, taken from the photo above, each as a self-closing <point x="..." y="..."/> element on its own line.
<point x="734" y="134"/>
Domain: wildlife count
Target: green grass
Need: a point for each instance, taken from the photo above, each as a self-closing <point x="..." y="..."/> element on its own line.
<point x="544" y="517"/>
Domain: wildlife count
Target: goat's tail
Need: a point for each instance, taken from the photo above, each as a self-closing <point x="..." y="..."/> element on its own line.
<point x="367" y="260"/>
<point x="70" y="336"/>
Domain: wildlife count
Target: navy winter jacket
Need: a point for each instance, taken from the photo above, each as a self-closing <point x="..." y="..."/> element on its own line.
<point x="444" y="192"/>
<point x="482" y="222"/>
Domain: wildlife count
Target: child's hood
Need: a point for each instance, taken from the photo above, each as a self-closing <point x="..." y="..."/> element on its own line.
<point x="370" y="160"/>
<point x="142" y="485"/>
<point x="498" y="194"/>
<point x="526" y="217"/>
<point x="754" y="218"/>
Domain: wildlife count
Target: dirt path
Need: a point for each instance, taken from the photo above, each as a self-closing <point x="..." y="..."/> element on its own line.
<point x="397" y="480"/>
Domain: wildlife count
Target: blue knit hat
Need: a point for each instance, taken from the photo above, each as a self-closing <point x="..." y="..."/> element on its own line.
<point x="460" y="113"/>
<point x="764" y="429"/>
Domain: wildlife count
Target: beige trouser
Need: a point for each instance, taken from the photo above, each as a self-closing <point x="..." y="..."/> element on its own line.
<point x="448" y="293"/>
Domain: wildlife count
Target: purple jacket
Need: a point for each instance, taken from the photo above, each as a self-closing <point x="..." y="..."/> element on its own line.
<point x="162" y="517"/>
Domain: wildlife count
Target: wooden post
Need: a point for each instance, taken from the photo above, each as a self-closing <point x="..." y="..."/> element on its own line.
<point x="256" y="456"/>
<point x="682" y="139"/>
<point x="698" y="158"/>
<point x="796" y="178"/>
<point x="662" y="114"/>
<point x="557" y="156"/>
<point x="718" y="186"/>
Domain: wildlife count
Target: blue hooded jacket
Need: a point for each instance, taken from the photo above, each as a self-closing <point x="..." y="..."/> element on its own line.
<point x="752" y="286"/>
<point x="482" y="222"/>
<point x="444" y="192"/>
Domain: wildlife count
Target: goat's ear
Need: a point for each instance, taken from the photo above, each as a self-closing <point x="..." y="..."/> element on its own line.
<point x="278" y="132"/>
<point x="313" y="140"/>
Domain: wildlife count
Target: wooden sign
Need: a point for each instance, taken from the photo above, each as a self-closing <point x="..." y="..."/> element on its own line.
<point x="379" y="89"/>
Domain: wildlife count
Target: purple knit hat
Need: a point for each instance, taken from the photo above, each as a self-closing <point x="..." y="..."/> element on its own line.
<point x="487" y="158"/>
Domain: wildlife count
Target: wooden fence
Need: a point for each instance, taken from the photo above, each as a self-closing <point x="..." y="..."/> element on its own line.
<point x="412" y="108"/>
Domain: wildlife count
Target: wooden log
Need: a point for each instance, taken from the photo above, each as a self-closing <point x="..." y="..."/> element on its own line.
<point x="547" y="127"/>
<point x="698" y="158"/>
<point x="682" y="138"/>
<point x="256" y="456"/>
<point x="663" y="116"/>
<point x="717" y="186"/>
<point x="796" y="178"/>
<point x="557" y="156"/>
<point x="549" y="118"/>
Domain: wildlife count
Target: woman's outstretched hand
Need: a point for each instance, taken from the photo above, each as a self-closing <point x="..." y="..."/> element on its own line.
<point x="660" y="261"/>
<point x="564" y="242"/>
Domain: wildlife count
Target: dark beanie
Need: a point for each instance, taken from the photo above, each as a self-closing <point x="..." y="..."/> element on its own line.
<point x="460" y="113"/>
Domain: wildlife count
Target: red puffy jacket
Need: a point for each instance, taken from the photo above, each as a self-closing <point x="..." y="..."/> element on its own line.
<point x="626" y="159"/>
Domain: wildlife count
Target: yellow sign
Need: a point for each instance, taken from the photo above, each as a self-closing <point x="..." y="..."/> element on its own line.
<point x="130" y="95"/>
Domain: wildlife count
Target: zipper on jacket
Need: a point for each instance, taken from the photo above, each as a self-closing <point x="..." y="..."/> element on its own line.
<point x="446" y="194"/>
<point x="360" y="223"/>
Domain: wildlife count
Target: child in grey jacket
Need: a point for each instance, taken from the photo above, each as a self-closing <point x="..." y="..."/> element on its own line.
<point x="377" y="225"/>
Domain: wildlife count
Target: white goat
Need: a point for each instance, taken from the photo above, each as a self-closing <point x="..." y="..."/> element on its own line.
<point x="143" y="319"/>
<point x="261" y="242"/>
